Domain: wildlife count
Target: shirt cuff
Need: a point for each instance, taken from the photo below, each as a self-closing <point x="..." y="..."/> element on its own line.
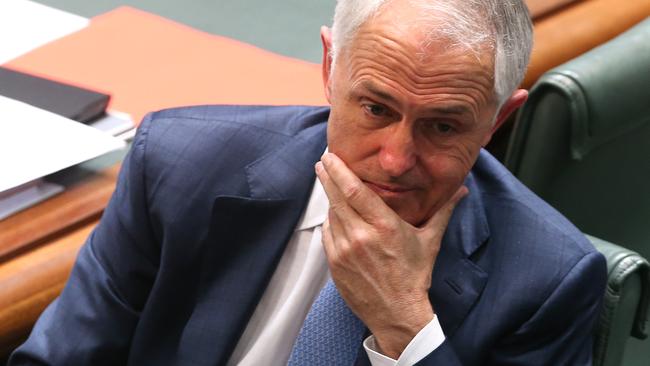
<point x="425" y="342"/>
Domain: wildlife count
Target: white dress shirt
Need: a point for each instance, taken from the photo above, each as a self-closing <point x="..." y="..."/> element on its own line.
<point x="301" y="274"/>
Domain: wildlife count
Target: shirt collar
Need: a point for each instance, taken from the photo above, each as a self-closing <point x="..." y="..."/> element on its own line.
<point x="317" y="207"/>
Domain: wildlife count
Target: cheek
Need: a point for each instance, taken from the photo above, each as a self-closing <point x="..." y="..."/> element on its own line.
<point x="348" y="137"/>
<point x="338" y="130"/>
<point x="459" y="154"/>
<point x="450" y="167"/>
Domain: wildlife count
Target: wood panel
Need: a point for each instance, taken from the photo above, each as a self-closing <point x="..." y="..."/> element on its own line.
<point x="540" y="8"/>
<point x="81" y="201"/>
<point x="31" y="281"/>
<point x="579" y="28"/>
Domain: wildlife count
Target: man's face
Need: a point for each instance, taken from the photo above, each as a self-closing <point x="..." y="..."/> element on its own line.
<point x="408" y="121"/>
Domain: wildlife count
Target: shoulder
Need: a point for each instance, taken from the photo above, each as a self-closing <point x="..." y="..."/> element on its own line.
<point x="210" y="125"/>
<point x="192" y="139"/>
<point x="205" y="150"/>
<point x="285" y="120"/>
<point x="529" y="239"/>
<point x="508" y="201"/>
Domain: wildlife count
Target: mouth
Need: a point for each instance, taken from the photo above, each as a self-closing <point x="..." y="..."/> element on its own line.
<point x="388" y="189"/>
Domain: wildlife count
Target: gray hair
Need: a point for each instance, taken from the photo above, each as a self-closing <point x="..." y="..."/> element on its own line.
<point x="502" y="25"/>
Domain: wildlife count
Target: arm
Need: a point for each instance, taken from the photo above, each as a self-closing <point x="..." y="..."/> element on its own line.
<point x="560" y="332"/>
<point x="378" y="263"/>
<point x="93" y="320"/>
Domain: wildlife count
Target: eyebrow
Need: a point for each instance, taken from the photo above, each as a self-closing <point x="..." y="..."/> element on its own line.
<point x="447" y="110"/>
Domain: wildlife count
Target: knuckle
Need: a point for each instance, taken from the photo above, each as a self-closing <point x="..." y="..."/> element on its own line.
<point x="386" y="227"/>
<point x="352" y="191"/>
<point x="333" y="259"/>
<point x="359" y="237"/>
<point x="336" y="206"/>
<point x="347" y="257"/>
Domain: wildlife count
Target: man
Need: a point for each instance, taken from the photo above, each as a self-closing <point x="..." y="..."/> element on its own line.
<point x="219" y="238"/>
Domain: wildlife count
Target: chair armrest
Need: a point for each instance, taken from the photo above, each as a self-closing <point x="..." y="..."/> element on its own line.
<point x="625" y="304"/>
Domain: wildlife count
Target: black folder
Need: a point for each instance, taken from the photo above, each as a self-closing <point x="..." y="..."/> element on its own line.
<point x="70" y="101"/>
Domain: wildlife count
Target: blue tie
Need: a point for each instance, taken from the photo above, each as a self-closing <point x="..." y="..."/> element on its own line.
<point x="331" y="333"/>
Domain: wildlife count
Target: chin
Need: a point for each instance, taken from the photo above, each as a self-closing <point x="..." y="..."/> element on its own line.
<point x="407" y="215"/>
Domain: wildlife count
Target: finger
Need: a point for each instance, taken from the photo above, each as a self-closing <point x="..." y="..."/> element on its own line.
<point x="438" y="222"/>
<point x="337" y="229"/>
<point x="338" y="233"/>
<point x="344" y="222"/>
<point x="328" y="240"/>
<point x="351" y="189"/>
<point x="337" y="201"/>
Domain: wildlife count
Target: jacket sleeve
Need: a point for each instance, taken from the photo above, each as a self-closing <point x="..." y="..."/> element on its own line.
<point x="559" y="333"/>
<point x="93" y="320"/>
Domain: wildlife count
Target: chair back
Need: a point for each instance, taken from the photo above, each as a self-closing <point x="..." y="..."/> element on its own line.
<point x="582" y="143"/>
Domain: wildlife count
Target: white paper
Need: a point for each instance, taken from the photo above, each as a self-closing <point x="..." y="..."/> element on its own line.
<point x="114" y="122"/>
<point x="26" y="25"/>
<point x="35" y="143"/>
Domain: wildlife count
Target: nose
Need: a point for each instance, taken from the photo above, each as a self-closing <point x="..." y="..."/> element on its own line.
<point x="398" y="154"/>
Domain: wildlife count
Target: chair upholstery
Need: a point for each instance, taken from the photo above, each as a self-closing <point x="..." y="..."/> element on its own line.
<point x="582" y="142"/>
<point x="565" y="29"/>
<point x="625" y="305"/>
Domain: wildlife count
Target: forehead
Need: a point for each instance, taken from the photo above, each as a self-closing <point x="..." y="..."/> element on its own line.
<point x="423" y="33"/>
<point x="395" y="49"/>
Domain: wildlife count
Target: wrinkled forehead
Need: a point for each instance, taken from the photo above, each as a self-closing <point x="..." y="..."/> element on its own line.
<point x="430" y="31"/>
<point x="398" y="50"/>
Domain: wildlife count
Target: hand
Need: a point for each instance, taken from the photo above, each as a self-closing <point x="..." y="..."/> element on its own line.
<point x="380" y="263"/>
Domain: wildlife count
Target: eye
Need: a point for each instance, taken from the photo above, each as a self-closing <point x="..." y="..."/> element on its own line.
<point x="443" y="128"/>
<point x="376" y="109"/>
<point x="439" y="127"/>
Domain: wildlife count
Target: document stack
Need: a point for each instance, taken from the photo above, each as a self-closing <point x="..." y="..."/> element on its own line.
<point x="46" y="127"/>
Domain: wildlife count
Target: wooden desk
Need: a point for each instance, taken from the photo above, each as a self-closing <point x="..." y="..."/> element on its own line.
<point x="32" y="280"/>
<point x="38" y="247"/>
<point x="80" y="202"/>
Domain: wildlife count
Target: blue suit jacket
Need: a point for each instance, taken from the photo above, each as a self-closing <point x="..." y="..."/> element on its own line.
<point x="203" y="208"/>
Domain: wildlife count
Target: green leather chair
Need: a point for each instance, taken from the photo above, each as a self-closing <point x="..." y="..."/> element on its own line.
<point x="625" y="305"/>
<point x="582" y="142"/>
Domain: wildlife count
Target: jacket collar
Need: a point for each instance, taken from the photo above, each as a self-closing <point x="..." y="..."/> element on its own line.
<point x="279" y="186"/>
<point x="457" y="281"/>
<point x="280" y="175"/>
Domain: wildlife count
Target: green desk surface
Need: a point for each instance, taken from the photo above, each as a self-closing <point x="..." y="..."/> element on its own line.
<point x="287" y="27"/>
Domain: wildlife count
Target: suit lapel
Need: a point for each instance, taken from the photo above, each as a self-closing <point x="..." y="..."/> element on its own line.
<point x="457" y="281"/>
<point x="252" y="233"/>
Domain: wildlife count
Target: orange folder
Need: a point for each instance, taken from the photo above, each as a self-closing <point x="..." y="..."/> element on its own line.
<point x="148" y="63"/>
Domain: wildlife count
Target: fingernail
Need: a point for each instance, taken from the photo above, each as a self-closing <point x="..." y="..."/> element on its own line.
<point x="318" y="167"/>
<point x="326" y="158"/>
<point x="464" y="191"/>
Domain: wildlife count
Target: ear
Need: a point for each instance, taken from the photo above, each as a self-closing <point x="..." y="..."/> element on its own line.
<point x="326" y="39"/>
<point x="516" y="100"/>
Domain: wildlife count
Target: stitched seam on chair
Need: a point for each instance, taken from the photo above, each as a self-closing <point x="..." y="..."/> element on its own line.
<point x="625" y="267"/>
